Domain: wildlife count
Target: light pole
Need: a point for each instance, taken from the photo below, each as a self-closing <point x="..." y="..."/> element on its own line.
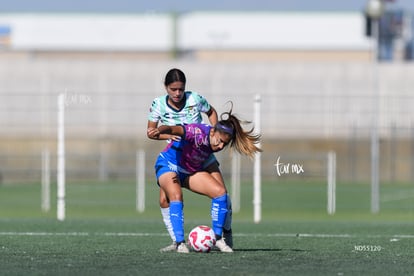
<point x="374" y="10"/>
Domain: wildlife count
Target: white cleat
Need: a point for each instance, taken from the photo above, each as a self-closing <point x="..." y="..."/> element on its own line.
<point x="223" y="247"/>
<point x="182" y="248"/>
<point x="169" y="248"/>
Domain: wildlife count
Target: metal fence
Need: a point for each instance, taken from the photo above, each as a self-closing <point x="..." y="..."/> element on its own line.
<point x="308" y="109"/>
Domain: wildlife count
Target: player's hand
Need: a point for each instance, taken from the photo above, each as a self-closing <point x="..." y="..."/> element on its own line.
<point x="175" y="138"/>
<point x="153" y="133"/>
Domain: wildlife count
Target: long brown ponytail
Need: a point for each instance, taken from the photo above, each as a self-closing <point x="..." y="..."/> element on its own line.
<point x="243" y="141"/>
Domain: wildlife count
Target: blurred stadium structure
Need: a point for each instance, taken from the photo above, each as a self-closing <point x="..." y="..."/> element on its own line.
<point x="312" y="71"/>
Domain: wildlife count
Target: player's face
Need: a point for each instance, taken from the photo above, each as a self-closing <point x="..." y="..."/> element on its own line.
<point x="219" y="140"/>
<point x="175" y="91"/>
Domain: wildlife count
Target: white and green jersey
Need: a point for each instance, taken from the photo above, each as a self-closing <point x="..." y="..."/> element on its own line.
<point x="162" y="112"/>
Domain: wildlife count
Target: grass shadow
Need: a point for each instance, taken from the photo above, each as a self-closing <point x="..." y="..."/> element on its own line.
<point x="267" y="250"/>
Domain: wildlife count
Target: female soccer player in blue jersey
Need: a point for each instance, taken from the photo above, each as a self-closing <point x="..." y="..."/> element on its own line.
<point x="181" y="164"/>
<point x="181" y="107"/>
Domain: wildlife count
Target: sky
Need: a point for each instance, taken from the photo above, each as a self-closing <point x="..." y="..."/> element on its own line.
<point x="132" y="6"/>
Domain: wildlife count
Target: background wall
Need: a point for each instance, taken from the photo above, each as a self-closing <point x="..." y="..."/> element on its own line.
<point x="314" y="72"/>
<point x="308" y="109"/>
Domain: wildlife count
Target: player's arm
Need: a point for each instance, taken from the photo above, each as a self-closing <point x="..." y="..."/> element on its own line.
<point x="153" y="132"/>
<point x="212" y="116"/>
<point x="172" y="130"/>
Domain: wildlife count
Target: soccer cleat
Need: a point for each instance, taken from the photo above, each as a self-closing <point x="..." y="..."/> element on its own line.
<point x="182" y="248"/>
<point x="228" y="236"/>
<point x="223" y="247"/>
<point x="169" y="248"/>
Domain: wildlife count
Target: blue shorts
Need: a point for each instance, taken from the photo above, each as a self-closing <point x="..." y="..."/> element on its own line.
<point x="163" y="165"/>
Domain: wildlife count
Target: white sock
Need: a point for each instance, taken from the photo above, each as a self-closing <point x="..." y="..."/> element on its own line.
<point x="228" y="221"/>
<point x="166" y="218"/>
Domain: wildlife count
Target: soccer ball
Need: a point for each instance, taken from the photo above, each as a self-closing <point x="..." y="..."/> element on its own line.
<point x="201" y="239"/>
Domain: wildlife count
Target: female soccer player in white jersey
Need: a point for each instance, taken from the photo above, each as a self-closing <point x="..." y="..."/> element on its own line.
<point x="181" y="107"/>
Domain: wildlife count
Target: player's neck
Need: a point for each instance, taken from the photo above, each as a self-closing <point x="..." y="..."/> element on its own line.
<point x="178" y="105"/>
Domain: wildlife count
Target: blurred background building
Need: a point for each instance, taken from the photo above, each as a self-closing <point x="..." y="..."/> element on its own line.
<point x="312" y="69"/>
<point x="265" y="35"/>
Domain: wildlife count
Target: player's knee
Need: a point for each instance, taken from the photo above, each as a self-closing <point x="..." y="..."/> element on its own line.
<point x="164" y="202"/>
<point x="218" y="191"/>
<point x="175" y="196"/>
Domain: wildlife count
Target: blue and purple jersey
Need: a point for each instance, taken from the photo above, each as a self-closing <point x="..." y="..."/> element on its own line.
<point x="190" y="153"/>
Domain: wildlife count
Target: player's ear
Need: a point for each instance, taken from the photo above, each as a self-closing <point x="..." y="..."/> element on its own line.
<point x="213" y="130"/>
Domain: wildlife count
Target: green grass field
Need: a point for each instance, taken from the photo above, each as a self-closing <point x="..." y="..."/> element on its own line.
<point x="104" y="235"/>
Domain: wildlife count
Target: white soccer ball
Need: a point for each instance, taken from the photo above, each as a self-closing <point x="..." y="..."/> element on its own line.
<point x="201" y="239"/>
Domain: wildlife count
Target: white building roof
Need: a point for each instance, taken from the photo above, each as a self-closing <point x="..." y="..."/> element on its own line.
<point x="197" y="30"/>
<point x="89" y="32"/>
<point x="313" y="31"/>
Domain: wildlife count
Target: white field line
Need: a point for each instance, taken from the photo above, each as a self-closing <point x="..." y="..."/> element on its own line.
<point x="138" y="234"/>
